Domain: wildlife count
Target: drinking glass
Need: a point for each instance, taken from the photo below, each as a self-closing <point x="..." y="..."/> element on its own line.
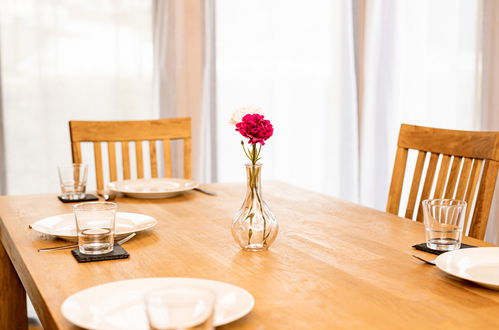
<point x="73" y="181"/>
<point x="186" y="308"/>
<point x="443" y="221"/>
<point x="95" y="223"/>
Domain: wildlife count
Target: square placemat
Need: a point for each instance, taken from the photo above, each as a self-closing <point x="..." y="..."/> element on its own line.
<point x="117" y="253"/>
<point x="423" y="247"/>
<point x="87" y="198"/>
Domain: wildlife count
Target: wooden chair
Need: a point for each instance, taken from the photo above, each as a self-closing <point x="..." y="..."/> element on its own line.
<point x="124" y="132"/>
<point x="462" y="165"/>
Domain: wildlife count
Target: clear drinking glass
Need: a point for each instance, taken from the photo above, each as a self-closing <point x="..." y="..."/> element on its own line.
<point x="188" y="308"/>
<point x="73" y="181"/>
<point x="95" y="223"/>
<point x="443" y="221"/>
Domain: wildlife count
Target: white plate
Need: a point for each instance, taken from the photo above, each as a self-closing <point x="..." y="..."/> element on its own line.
<point x="119" y="305"/>
<point x="479" y="265"/>
<point x="152" y="188"/>
<point x="64" y="226"/>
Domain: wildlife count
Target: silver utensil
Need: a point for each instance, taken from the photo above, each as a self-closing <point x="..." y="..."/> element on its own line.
<point x="107" y="195"/>
<point x="204" y="191"/>
<point x="121" y="241"/>
<point x="430" y="262"/>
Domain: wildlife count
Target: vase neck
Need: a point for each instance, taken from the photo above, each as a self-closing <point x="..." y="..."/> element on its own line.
<point x="253" y="177"/>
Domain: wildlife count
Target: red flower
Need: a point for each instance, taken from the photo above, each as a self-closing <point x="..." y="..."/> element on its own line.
<point x="256" y="128"/>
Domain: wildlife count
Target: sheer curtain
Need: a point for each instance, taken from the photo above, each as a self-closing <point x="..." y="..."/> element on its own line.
<point x="64" y="60"/>
<point x="295" y="59"/>
<point x="184" y="76"/>
<point x="421" y="67"/>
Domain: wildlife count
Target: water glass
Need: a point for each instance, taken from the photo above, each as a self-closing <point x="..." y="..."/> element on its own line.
<point x="443" y="221"/>
<point x="95" y="223"/>
<point x="180" y="308"/>
<point x="73" y="181"/>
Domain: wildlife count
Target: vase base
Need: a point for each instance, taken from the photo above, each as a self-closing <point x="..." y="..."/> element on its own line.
<point x="256" y="247"/>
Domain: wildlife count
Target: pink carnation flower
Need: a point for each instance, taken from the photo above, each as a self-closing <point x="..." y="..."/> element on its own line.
<point x="256" y="128"/>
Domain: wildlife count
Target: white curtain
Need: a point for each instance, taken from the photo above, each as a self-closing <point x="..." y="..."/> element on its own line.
<point x="68" y="60"/>
<point x="421" y="67"/>
<point x="489" y="114"/>
<point x="184" y="69"/>
<point x="295" y="59"/>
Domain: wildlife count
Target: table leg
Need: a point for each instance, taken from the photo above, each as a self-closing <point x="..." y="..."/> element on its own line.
<point x="13" y="314"/>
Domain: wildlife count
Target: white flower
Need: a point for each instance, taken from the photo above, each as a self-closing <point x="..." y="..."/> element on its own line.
<point x="238" y="115"/>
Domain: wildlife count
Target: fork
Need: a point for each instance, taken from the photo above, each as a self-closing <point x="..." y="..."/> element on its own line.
<point x="121" y="241"/>
<point x="430" y="262"/>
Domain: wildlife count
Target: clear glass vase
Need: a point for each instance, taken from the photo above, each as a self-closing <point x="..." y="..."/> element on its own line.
<point x="254" y="227"/>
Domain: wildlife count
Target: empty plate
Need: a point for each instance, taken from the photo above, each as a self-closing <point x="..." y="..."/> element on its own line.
<point x="64" y="226"/>
<point x="479" y="265"/>
<point x="152" y="188"/>
<point x="119" y="305"/>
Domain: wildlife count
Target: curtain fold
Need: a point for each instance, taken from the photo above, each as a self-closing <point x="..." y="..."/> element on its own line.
<point x="185" y="76"/>
<point x="3" y="178"/>
<point x="488" y="85"/>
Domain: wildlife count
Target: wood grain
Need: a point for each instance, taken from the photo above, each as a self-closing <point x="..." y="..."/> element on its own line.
<point x="334" y="264"/>
<point x="416" y="180"/>
<point x="111" y="155"/>
<point x="132" y="131"/>
<point x="12" y="296"/>
<point x="470" y="144"/>
<point x="461" y="181"/>
<point x="428" y="183"/>
<point x="443" y="174"/>
<point x="393" y="202"/>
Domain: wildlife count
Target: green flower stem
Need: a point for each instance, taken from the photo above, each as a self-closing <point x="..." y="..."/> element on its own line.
<point x="253" y="154"/>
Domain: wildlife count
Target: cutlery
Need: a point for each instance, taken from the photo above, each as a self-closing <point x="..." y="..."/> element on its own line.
<point x="430" y="262"/>
<point x="121" y="241"/>
<point x="207" y="192"/>
<point x="107" y="195"/>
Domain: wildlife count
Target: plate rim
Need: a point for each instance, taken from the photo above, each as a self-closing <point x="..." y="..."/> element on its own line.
<point x="112" y="186"/>
<point x="36" y="228"/>
<point x="227" y="321"/>
<point x="441" y="259"/>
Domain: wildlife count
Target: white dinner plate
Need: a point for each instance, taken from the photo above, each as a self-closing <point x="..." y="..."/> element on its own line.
<point x="119" y="305"/>
<point x="479" y="265"/>
<point x="152" y="188"/>
<point x="64" y="226"/>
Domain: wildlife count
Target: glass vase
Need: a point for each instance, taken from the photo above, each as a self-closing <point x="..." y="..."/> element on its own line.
<point x="254" y="227"/>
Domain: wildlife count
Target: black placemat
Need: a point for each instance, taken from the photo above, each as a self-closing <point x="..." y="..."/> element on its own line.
<point x="87" y="198"/>
<point x="423" y="247"/>
<point x="117" y="253"/>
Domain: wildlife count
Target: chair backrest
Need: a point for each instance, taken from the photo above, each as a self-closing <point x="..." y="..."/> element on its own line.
<point x="450" y="164"/>
<point x="124" y="132"/>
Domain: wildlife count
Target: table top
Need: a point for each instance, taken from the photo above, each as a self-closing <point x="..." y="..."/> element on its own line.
<point x="334" y="264"/>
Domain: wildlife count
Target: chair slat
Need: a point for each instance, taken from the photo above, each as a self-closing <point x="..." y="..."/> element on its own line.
<point x="139" y="159"/>
<point x="416" y="180"/>
<point x="125" y="155"/>
<point x="76" y="152"/>
<point x="442" y="176"/>
<point x="463" y="179"/>
<point x="471" y="189"/>
<point x="187" y="159"/>
<point x="468" y="170"/>
<point x="111" y="154"/>
<point x="98" y="166"/>
<point x="167" y="158"/>
<point x="126" y="132"/>
<point x="428" y="183"/>
<point x="393" y="203"/>
<point x="152" y="157"/>
<point x="484" y="199"/>
<point x="454" y="173"/>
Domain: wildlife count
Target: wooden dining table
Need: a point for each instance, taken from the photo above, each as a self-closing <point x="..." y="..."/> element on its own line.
<point x="335" y="264"/>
